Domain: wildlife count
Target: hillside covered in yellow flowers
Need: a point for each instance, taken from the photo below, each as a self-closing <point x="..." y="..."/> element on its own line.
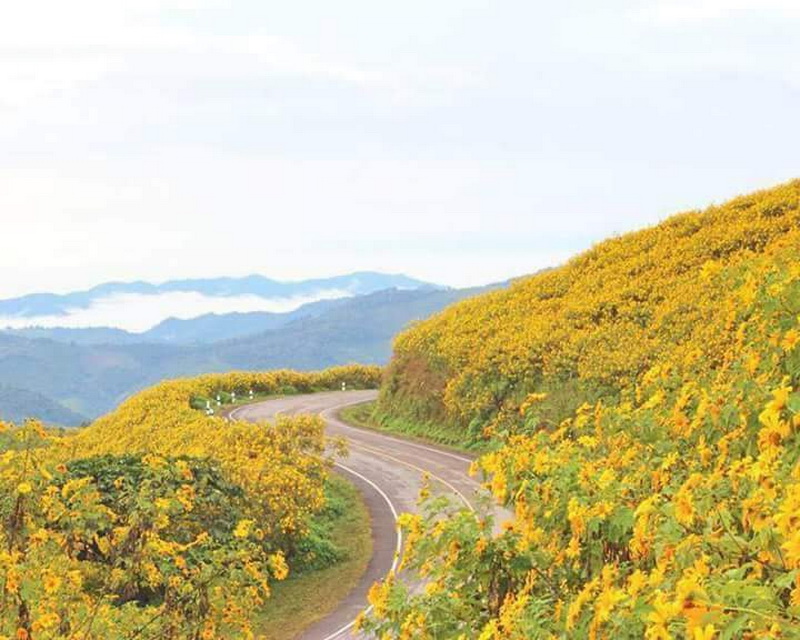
<point x="161" y="521"/>
<point x="646" y="399"/>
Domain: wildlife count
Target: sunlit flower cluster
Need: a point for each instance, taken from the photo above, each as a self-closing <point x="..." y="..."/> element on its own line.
<point x="647" y="397"/>
<point x="158" y="520"/>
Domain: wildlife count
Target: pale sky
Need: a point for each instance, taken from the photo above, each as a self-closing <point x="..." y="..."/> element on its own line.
<point x="457" y="141"/>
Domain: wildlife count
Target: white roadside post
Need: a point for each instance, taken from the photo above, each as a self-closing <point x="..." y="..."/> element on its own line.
<point x="233" y="397"/>
<point x="344" y="386"/>
<point x="251" y="394"/>
<point x="219" y="401"/>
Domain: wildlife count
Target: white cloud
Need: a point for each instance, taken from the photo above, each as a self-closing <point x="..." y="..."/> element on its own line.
<point x="137" y="313"/>
<point x="694" y="12"/>
<point x="87" y="41"/>
<point x="459" y="142"/>
<point x="678" y="42"/>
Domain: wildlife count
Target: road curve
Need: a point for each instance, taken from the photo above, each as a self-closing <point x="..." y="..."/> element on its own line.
<point x="388" y="472"/>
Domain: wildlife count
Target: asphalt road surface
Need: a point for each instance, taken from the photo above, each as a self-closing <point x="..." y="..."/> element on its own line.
<point x="388" y="471"/>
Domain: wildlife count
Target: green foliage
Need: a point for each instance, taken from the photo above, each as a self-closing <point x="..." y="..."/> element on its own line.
<point x="125" y="483"/>
<point x="159" y="521"/>
<point x="180" y="500"/>
<point x="317" y="549"/>
<point x="198" y="402"/>
<point x="368" y="416"/>
<point x="309" y="595"/>
<point x="564" y="398"/>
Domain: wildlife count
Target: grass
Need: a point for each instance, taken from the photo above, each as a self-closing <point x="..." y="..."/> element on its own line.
<point x="365" y="415"/>
<point x="308" y="596"/>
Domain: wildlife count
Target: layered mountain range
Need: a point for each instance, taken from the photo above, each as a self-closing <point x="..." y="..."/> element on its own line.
<point x="71" y="374"/>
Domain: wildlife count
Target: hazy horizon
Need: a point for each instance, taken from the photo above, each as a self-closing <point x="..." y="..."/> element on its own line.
<point x="137" y="309"/>
<point x="459" y="142"/>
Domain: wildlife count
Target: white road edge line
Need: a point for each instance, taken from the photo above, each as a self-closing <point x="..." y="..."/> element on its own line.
<point x="388" y="437"/>
<point x="398" y="548"/>
<point x="424" y="472"/>
<point x="232" y="414"/>
<point x="326" y="414"/>
<point x="399" y="545"/>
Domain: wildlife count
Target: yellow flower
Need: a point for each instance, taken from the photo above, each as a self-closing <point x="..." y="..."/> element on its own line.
<point x="243" y="528"/>
<point x="46" y="621"/>
<point x="790" y="340"/>
<point x="684" y="507"/>
<point x="606" y="479"/>
<point x="606" y="602"/>
<point x="51" y="583"/>
<point x="278" y="565"/>
<point x="791" y="550"/>
<point x="706" y="633"/>
<point x="636" y="582"/>
<point x="574" y="548"/>
<point x="75" y="579"/>
<point x="663" y="612"/>
<point x="378" y="597"/>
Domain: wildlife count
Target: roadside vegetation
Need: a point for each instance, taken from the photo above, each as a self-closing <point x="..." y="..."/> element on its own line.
<point x="317" y="585"/>
<point x="367" y="416"/>
<point x="647" y="397"/>
<point x="158" y="521"/>
<point x="222" y="402"/>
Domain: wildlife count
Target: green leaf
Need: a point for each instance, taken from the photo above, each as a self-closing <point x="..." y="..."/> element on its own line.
<point x="794" y="402"/>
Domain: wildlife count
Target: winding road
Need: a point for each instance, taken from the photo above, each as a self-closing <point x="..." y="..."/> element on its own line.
<point x="388" y="471"/>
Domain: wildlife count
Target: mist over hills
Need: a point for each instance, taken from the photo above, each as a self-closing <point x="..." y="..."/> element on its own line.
<point x="140" y="306"/>
<point x="208" y="327"/>
<point x="69" y="375"/>
<point x="359" y="283"/>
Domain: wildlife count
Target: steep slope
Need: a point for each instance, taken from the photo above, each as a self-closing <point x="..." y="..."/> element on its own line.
<point x="666" y="505"/>
<point x="601" y="320"/>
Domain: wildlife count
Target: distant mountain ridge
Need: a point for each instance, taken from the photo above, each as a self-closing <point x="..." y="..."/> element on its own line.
<point x="16" y="405"/>
<point x="90" y="379"/>
<point x="78" y="335"/>
<point x="214" y="327"/>
<point x="358" y="283"/>
<point x="209" y="327"/>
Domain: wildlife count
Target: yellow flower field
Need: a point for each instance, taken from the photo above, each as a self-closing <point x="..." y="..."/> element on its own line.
<point x="647" y="398"/>
<point x="159" y="521"/>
